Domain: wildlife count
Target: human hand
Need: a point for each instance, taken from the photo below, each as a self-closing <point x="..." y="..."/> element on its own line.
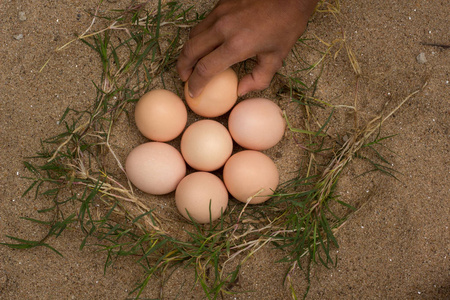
<point x="236" y="30"/>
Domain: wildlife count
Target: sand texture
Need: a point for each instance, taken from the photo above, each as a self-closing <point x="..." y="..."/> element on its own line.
<point x="397" y="244"/>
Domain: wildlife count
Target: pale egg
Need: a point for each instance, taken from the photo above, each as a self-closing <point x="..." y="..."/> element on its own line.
<point x="256" y="124"/>
<point x="160" y="115"/>
<point x="206" y="145"/>
<point x="218" y="96"/>
<point x="201" y="196"/>
<point x="155" y="168"/>
<point x="250" y="176"/>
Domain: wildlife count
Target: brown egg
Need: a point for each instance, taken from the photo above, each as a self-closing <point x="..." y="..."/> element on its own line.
<point x="199" y="194"/>
<point x="256" y="124"/>
<point x="160" y="115"/>
<point x="249" y="174"/>
<point x="218" y="96"/>
<point x="206" y="145"/>
<point x="155" y="168"/>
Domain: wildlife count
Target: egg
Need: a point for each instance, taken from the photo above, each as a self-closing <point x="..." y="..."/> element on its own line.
<point x="160" y="115"/>
<point x="206" y="145"/>
<point x="218" y="96"/>
<point x="251" y="175"/>
<point x="155" y="168"/>
<point x="256" y="124"/>
<point x="199" y="194"/>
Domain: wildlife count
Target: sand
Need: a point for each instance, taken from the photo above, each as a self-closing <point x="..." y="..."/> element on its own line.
<point x="396" y="246"/>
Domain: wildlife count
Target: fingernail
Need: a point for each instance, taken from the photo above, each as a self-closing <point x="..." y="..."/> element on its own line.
<point x="190" y="94"/>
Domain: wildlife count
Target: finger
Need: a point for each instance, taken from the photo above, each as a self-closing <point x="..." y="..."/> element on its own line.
<point x="193" y="50"/>
<point x="212" y="64"/>
<point x="206" y="23"/>
<point x="209" y="21"/>
<point x="261" y="75"/>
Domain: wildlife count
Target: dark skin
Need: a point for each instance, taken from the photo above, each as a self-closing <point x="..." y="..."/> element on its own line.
<point x="237" y="30"/>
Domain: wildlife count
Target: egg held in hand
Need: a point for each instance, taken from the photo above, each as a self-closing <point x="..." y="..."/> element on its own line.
<point x="206" y="145"/>
<point x="201" y="196"/>
<point x="160" y="115"/>
<point x="250" y="175"/>
<point x="155" y="168"/>
<point x="256" y="124"/>
<point x="218" y="96"/>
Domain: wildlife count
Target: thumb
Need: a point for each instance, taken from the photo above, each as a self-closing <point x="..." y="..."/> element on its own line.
<point x="261" y="75"/>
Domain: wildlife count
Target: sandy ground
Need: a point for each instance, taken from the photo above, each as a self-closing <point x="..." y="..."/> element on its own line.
<point x="397" y="246"/>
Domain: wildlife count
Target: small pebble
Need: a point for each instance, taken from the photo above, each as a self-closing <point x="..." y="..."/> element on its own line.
<point x="421" y="59"/>
<point x="18" y="36"/>
<point x="22" y="16"/>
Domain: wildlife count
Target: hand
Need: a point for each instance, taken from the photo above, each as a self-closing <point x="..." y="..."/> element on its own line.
<point x="236" y="30"/>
